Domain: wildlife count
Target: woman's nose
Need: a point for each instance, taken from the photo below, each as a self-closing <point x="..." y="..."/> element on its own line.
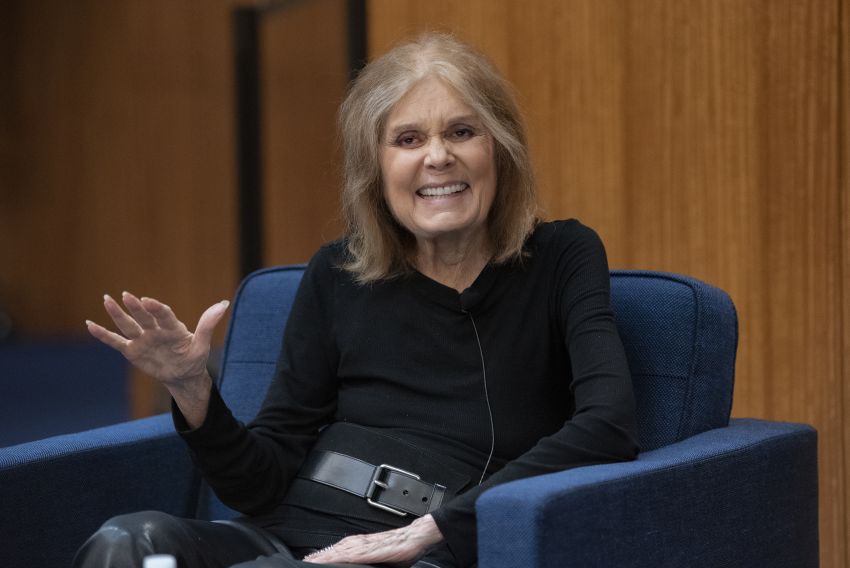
<point x="439" y="153"/>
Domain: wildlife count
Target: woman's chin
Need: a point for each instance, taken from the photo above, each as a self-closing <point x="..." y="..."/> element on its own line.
<point x="447" y="229"/>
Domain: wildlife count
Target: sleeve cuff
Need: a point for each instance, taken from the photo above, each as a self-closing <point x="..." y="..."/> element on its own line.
<point x="459" y="532"/>
<point x="438" y="556"/>
<point x="217" y="422"/>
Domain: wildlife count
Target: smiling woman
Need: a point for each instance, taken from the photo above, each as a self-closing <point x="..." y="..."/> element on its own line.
<point x="439" y="181"/>
<point x="433" y="94"/>
<point x="450" y="337"/>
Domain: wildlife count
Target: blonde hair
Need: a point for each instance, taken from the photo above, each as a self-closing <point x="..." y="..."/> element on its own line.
<point x="378" y="246"/>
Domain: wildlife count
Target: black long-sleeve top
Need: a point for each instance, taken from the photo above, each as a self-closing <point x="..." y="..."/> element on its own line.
<point x="409" y="357"/>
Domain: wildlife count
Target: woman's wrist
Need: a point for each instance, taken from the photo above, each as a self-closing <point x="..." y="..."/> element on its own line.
<point x="425" y="530"/>
<point x="192" y="396"/>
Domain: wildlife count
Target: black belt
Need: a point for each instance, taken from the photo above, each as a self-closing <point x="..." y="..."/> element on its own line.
<point x="384" y="486"/>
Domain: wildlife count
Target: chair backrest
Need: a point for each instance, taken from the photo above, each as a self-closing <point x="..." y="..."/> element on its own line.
<point x="254" y="338"/>
<point x="680" y="336"/>
<point x="255" y="335"/>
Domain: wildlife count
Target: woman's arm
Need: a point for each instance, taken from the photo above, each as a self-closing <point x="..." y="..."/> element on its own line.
<point x="603" y="426"/>
<point x="155" y="341"/>
<point x="250" y="467"/>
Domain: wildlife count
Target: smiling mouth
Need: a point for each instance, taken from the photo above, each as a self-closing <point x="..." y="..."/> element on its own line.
<point x="442" y="191"/>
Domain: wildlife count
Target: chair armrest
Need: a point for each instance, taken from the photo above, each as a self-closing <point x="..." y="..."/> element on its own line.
<point x="744" y="495"/>
<point x="56" y="492"/>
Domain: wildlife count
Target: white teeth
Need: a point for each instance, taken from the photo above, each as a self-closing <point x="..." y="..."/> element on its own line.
<point x="445" y="190"/>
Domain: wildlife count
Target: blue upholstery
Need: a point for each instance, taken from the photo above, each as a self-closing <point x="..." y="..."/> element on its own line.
<point x="39" y="376"/>
<point x="740" y="496"/>
<point x="253" y="344"/>
<point x="680" y="337"/>
<point x="705" y="492"/>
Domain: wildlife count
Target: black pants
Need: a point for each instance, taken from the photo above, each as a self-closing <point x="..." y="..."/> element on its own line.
<point x="124" y="541"/>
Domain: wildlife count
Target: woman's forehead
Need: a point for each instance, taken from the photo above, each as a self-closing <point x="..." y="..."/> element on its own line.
<point x="428" y="102"/>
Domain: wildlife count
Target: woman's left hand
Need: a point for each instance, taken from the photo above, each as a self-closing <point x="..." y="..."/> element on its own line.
<point x="398" y="546"/>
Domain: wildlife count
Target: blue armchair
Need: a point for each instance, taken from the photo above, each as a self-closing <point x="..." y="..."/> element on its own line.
<point x="704" y="492"/>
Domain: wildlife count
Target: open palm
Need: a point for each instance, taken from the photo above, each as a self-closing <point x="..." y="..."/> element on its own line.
<point x="155" y="341"/>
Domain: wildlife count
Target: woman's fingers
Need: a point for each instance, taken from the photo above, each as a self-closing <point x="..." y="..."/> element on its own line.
<point x="155" y="341"/>
<point x="402" y="545"/>
<point x="162" y="313"/>
<point x="209" y="319"/>
<point x="150" y="314"/>
<point x="108" y="337"/>
<point x="127" y="325"/>
<point x="138" y="311"/>
<point x="386" y="547"/>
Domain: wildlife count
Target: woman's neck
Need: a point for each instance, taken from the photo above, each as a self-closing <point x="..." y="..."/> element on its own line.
<point x="453" y="263"/>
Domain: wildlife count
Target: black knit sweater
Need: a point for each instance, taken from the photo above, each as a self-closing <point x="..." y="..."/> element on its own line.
<point x="409" y="357"/>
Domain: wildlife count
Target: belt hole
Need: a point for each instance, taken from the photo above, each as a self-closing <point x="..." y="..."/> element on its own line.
<point x="424" y="499"/>
<point x="405" y="492"/>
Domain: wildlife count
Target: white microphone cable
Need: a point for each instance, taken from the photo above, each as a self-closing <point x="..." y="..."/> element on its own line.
<point x="486" y="398"/>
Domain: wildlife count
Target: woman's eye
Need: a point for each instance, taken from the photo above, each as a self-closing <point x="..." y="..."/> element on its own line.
<point x="407" y="141"/>
<point x="461" y="133"/>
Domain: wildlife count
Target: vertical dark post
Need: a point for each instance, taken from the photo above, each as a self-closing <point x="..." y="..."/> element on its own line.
<point x="246" y="30"/>
<point x="246" y="27"/>
<point x="357" y="44"/>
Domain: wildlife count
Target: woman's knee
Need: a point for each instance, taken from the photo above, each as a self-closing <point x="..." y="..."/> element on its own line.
<point x="154" y="527"/>
<point x="126" y="539"/>
<point x="273" y="561"/>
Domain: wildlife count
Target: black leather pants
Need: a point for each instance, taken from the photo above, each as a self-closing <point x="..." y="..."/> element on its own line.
<point x="124" y="541"/>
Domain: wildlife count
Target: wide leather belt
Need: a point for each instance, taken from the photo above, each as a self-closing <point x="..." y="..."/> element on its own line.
<point x="383" y="486"/>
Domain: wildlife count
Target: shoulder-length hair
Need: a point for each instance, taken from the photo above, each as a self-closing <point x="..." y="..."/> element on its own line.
<point x="378" y="246"/>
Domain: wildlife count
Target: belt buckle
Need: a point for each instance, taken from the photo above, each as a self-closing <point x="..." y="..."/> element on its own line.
<point x="378" y="482"/>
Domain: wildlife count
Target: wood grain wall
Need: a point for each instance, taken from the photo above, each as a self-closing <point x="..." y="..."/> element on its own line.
<point x="118" y="168"/>
<point x="844" y="189"/>
<point x="117" y="154"/>
<point x="305" y="81"/>
<point x="700" y="137"/>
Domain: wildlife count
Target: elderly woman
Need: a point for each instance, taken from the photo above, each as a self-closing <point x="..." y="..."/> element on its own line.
<point x="449" y="334"/>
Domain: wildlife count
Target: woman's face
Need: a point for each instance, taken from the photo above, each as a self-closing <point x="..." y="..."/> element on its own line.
<point x="438" y="165"/>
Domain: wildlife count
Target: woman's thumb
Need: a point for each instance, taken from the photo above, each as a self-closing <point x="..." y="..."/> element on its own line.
<point x="209" y="320"/>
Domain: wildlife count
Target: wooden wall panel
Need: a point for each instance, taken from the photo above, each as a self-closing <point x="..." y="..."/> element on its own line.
<point x="844" y="188"/>
<point x="117" y="154"/>
<point x="123" y="160"/>
<point x="118" y="160"/>
<point x="304" y="82"/>
<point x="698" y="137"/>
<point x="801" y="220"/>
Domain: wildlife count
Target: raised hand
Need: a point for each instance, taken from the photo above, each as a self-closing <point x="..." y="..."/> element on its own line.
<point x="155" y="341"/>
